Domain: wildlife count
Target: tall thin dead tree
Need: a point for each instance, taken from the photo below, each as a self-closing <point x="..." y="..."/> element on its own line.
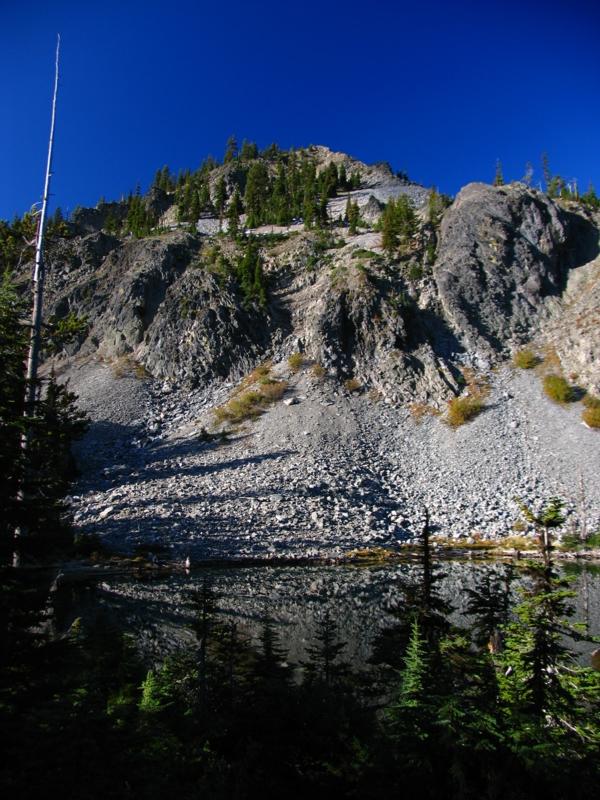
<point x="39" y="275"/>
<point x="39" y="272"/>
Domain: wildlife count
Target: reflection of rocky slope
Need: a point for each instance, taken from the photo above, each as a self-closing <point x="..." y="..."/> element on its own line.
<point x="296" y="600"/>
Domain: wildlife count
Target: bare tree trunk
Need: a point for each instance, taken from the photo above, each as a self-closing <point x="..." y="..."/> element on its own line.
<point x="38" y="299"/>
<point x="39" y="272"/>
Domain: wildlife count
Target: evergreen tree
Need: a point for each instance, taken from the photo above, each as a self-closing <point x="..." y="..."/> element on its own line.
<point x="590" y="198"/>
<point x="551" y="516"/>
<point x="352" y="216"/>
<point x="398" y="224"/>
<point x="233" y="213"/>
<point x="248" y="151"/>
<point x="537" y="679"/>
<point x="271" y="663"/>
<point x="220" y="197"/>
<point x="255" y="197"/>
<point x="56" y="423"/>
<point x="498" y="178"/>
<point x="204" y="602"/>
<point x="204" y="198"/>
<point x="489" y="603"/>
<point x="231" y="150"/>
<point x="546" y="170"/>
<point x="324" y="665"/>
<point x="411" y="716"/>
<point x="139" y="221"/>
<point x="13" y="347"/>
<point x="249" y="272"/>
<point x="271" y="152"/>
<point x="280" y="201"/>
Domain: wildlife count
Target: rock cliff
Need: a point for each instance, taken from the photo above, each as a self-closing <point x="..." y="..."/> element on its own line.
<point x="387" y="330"/>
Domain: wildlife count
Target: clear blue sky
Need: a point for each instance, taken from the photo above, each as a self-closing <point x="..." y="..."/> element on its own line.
<point x="439" y="89"/>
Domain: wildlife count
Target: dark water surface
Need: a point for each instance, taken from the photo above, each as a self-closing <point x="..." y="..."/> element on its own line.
<point x="296" y="598"/>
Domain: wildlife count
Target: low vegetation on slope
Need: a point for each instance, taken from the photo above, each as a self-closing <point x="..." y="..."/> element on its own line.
<point x="253" y="396"/>
<point x="558" y="389"/>
<point x="467" y="407"/>
<point x="591" y="413"/>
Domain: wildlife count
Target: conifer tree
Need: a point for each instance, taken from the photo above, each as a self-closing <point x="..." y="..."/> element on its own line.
<point x="248" y="151"/>
<point x="255" y="197"/>
<point x="231" y="150"/>
<point x="220" y="197"/>
<point x="489" y="604"/>
<point x="498" y="178"/>
<point x="233" y="213"/>
<point x="352" y="216"/>
<point x="324" y="664"/>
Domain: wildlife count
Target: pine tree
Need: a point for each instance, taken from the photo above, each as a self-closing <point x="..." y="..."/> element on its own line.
<point x="13" y="347"/>
<point x="535" y="653"/>
<point x="352" y="216"/>
<point x="280" y="201"/>
<point x="248" y="151"/>
<point x="233" y="213"/>
<point x="324" y="664"/>
<point x="411" y="715"/>
<point x="255" y="197"/>
<point x="220" y="197"/>
<point x="551" y="516"/>
<point x="204" y="198"/>
<point x="204" y="602"/>
<point x="489" y="603"/>
<point x="249" y="272"/>
<point x="546" y="170"/>
<point x="498" y="178"/>
<point x="231" y="150"/>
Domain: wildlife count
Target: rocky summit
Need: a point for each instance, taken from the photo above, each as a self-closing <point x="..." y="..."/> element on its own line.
<point x="284" y="388"/>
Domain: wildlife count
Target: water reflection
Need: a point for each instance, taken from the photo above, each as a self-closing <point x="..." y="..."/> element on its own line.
<point x="362" y="600"/>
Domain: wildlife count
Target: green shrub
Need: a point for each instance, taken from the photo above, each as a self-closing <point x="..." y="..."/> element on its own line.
<point x="525" y="359"/>
<point x="591" y="401"/>
<point x="415" y="272"/>
<point x="462" y="409"/>
<point x="558" y="389"/>
<point x="352" y="385"/>
<point x="591" y="417"/>
<point x="296" y="361"/>
<point x="66" y="330"/>
<point x="361" y="252"/>
<point x="318" y="370"/>
<point x="572" y="541"/>
<point x="250" y="403"/>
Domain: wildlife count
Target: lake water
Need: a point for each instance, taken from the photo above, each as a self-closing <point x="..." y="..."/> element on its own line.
<point x="296" y="598"/>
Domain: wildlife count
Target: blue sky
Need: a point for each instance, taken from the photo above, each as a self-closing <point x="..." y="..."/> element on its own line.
<point x="438" y="89"/>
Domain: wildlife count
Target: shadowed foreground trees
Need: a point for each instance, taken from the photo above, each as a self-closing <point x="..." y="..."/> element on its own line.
<point x="34" y="483"/>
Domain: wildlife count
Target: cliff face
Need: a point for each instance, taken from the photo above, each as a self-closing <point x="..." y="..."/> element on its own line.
<point x="174" y="320"/>
<point x="503" y="252"/>
<point x="505" y="257"/>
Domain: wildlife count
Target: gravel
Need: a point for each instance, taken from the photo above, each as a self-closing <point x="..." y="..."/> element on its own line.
<point x="318" y="477"/>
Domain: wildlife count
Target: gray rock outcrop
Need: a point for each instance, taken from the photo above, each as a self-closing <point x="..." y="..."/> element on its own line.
<point x="502" y="252"/>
